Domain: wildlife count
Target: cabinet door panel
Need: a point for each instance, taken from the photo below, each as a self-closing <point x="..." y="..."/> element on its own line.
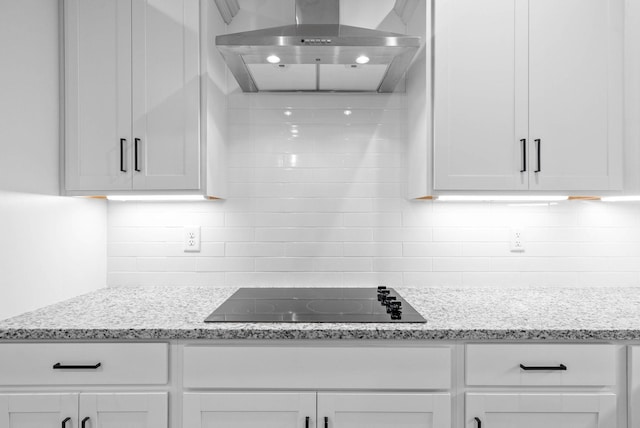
<point x="166" y="97"/>
<point x="480" y="94"/>
<point x="97" y="94"/>
<point x="575" y="73"/>
<point x="379" y="410"/>
<point x="249" y="410"/>
<point x="37" y="410"/>
<point x="117" y="410"/>
<point x="541" y="410"/>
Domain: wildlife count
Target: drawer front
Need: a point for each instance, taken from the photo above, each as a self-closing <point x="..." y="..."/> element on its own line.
<point x="549" y="364"/>
<point x="273" y="367"/>
<point x="119" y="363"/>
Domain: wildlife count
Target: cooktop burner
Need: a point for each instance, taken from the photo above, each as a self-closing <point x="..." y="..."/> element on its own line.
<point x="359" y="305"/>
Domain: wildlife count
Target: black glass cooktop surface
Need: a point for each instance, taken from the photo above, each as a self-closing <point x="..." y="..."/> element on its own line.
<point x="354" y="305"/>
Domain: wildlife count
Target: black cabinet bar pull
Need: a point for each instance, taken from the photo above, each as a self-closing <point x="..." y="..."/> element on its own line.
<point x="478" y="422"/>
<point x="136" y="141"/>
<point x="64" y="422"/>
<point x="83" y="424"/>
<point x="326" y="422"/>
<point x="60" y="366"/>
<point x="558" y="367"/>
<point x="306" y="422"/>
<point x="538" y="144"/>
<point x="524" y="155"/>
<point x="123" y="141"/>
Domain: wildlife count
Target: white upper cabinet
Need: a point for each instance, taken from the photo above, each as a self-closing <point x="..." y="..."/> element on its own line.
<point x="132" y="95"/>
<point x="528" y="95"/>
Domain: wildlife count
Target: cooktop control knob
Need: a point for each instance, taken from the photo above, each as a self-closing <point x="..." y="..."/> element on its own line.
<point x="382" y="294"/>
<point x="396" y="315"/>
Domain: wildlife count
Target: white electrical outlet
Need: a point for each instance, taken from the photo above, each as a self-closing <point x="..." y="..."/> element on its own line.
<point x="191" y="238"/>
<point x="517" y="240"/>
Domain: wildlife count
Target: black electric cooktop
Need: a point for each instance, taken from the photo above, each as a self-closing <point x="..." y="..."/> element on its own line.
<point x="354" y="305"/>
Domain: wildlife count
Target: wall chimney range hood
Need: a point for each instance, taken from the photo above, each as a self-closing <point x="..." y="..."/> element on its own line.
<point x="317" y="54"/>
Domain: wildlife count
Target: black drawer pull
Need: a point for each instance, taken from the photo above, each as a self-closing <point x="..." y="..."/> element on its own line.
<point x="83" y="424"/>
<point x="306" y="422"/>
<point x="326" y="422"/>
<point x="524" y="155"/>
<point x="538" y="145"/>
<point x="64" y="422"/>
<point x="136" y="141"/>
<point x="123" y="141"/>
<point x="59" y="366"/>
<point x="558" y="367"/>
<point x="478" y="422"/>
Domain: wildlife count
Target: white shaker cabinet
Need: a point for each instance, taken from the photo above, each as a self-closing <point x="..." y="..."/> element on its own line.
<point x="249" y="409"/>
<point x="83" y="385"/>
<point x="384" y="410"/>
<point x="528" y="95"/>
<point x="132" y="95"/>
<point x="550" y="385"/>
<point x="594" y="410"/>
<point x="334" y="410"/>
<point x="85" y="410"/>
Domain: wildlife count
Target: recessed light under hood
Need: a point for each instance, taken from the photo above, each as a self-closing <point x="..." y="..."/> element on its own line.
<point x="318" y="54"/>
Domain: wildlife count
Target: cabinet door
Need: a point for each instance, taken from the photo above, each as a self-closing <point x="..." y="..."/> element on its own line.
<point x="379" y="410"/>
<point x="540" y="410"/>
<point x="38" y="410"/>
<point x="131" y="410"/>
<point x="634" y="386"/>
<point x="166" y="94"/>
<point x="480" y="94"/>
<point x="575" y="94"/>
<point x="97" y="94"/>
<point x="249" y="410"/>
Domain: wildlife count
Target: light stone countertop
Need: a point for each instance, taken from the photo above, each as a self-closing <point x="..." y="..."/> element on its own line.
<point x="163" y="313"/>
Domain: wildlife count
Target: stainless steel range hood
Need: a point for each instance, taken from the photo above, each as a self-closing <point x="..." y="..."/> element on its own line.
<point x="317" y="54"/>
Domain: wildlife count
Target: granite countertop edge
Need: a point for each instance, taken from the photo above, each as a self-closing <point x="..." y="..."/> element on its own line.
<point x="489" y="313"/>
<point x="290" y="334"/>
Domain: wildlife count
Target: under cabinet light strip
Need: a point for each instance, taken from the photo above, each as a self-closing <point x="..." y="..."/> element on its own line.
<point x="502" y="198"/>
<point x="631" y="198"/>
<point x="156" y="198"/>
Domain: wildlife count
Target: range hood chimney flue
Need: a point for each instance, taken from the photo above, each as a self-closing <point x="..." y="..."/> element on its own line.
<point x="317" y="54"/>
<point x="317" y="12"/>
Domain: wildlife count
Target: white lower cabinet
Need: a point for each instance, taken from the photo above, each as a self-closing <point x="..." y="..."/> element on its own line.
<point x="384" y="410"/>
<point x="309" y="386"/>
<point x="316" y="410"/>
<point x="542" y="385"/>
<point x="548" y="410"/>
<point x="248" y="409"/>
<point x="84" y="410"/>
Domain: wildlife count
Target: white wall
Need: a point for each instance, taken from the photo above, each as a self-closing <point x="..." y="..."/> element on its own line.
<point x="51" y="248"/>
<point x="326" y="206"/>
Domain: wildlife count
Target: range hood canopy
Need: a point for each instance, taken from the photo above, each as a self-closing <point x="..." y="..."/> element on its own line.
<point x="317" y="54"/>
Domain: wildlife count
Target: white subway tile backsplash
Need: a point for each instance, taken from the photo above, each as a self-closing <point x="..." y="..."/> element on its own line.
<point x="373" y="249"/>
<point x="317" y="198"/>
<point x="224" y="264"/>
<point x="314" y="249"/>
<point x="342" y="264"/>
<point x="284" y="264"/>
<point x="402" y="264"/>
<point x="313" y="234"/>
<point x="254" y="249"/>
